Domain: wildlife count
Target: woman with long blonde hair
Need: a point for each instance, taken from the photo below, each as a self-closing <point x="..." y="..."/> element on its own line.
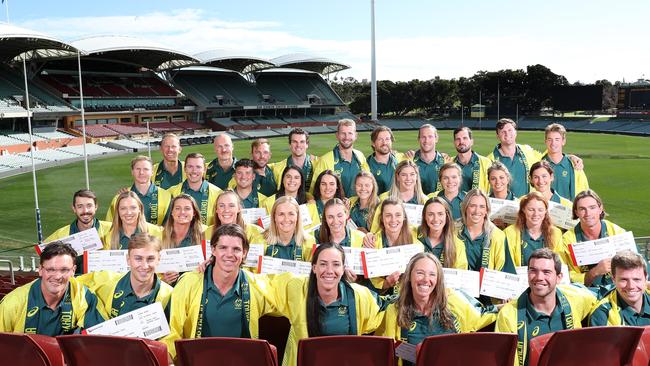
<point x="128" y="221"/>
<point x="363" y="205"/>
<point x="285" y="237"/>
<point x="228" y="210"/>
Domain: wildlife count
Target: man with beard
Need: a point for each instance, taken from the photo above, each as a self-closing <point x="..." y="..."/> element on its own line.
<point x="298" y="144"/>
<point x="84" y="206"/>
<point x="344" y="160"/>
<point x="171" y="171"/>
<point x="54" y="304"/>
<point x="544" y="307"/>
<point x="264" y="178"/>
<point x="204" y="193"/>
<point x="383" y="161"/>
<point x="474" y="166"/>
<point x="220" y="170"/>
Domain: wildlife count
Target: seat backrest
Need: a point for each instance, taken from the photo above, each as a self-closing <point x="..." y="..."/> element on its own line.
<point x="486" y="349"/>
<point x="227" y="351"/>
<point x="98" y="350"/>
<point x="346" y="350"/>
<point x="536" y="346"/>
<point x="275" y="330"/>
<point x="30" y="350"/>
<point x="592" y="346"/>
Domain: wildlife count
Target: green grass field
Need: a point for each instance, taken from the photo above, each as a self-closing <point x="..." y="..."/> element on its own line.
<point x="618" y="168"/>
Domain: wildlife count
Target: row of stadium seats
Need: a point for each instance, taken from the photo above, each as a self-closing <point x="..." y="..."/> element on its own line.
<point x="22" y="160"/>
<point x="252" y="123"/>
<point x="130" y="129"/>
<point x="110" y="86"/>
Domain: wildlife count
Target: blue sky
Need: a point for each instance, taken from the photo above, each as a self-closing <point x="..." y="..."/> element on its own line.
<point x="582" y="40"/>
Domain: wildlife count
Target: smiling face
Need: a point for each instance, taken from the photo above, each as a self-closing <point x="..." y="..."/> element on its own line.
<point x="141" y="172"/>
<point x="383" y="144"/>
<point x="435" y="216"/>
<point x="84" y="208"/>
<point x="261" y="154"/>
<point x="286" y="217"/>
<point x="336" y="216"/>
<point x="328" y="269"/>
<point x="291" y="182"/>
<point x="143" y="263"/>
<point x="630" y="284"/>
<point x="507" y="135"/>
<point x="542" y="180"/>
<point x="327" y="187"/>
<point x="427" y="139"/>
<point x="298" y="145"/>
<point x="171" y="149"/>
<point x="55" y="274"/>
<point x="535" y="212"/>
<point x="476" y="213"/>
<point x="450" y="181"/>
<point x="588" y="211"/>
<point x="542" y="278"/>
<point x="346" y="136"/>
<point x="182" y="211"/>
<point x="424" y="278"/>
<point x="554" y="142"/>
<point x="227" y="208"/>
<point x="498" y="181"/>
<point x="244" y="177"/>
<point x="129" y="211"/>
<point x="194" y="168"/>
<point x="406" y="179"/>
<point x="228" y="254"/>
<point x="393" y="219"/>
<point x="363" y="187"/>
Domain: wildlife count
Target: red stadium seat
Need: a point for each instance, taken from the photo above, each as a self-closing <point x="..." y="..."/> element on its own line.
<point x="485" y="349"/>
<point x="536" y="346"/>
<point x="275" y="330"/>
<point x="29" y="350"/>
<point x="346" y="351"/>
<point x="642" y="354"/>
<point x="226" y="352"/>
<point x="590" y="346"/>
<point x="82" y="350"/>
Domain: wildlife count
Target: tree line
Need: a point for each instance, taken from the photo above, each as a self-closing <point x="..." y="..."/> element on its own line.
<point x="526" y="91"/>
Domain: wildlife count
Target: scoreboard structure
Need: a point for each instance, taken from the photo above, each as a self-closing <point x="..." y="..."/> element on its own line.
<point x="634" y="98"/>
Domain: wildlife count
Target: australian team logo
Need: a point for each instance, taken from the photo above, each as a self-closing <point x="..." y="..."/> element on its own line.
<point x="237" y="304"/>
<point x="343" y="310"/>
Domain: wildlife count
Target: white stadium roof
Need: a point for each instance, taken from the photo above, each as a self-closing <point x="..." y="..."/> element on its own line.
<point x="17" y="43"/>
<point x="317" y="64"/>
<point x="233" y="60"/>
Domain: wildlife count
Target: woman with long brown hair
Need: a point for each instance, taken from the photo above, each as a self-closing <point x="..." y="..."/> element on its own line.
<point x="436" y="233"/>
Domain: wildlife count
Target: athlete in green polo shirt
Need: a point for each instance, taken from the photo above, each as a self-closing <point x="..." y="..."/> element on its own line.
<point x="569" y="181"/>
<point x="544" y="307"/>
<point x="428" y="160"/>
<point x="629" y="302"/>
<point x="220" y="170"/>
<point x="383" y="161"/>
<point x="170" y="171"/>
<point x="245" y="188"/>
<point x="55" y="303"/>
<point x="155" y="200"/>
<point x="264" y="179"/>
<point x="298" y="144"/>
<point x="473" y="166"/>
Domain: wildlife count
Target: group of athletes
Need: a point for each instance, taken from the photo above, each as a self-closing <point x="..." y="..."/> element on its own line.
<point x="353" y="201"/>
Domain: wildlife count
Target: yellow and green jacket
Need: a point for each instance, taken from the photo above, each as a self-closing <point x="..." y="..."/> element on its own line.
<point x="104" y="284"/>
<point x="326" y="161"/>
<point x="374" y="226"/>
<point x="84" y="307"/>
<point x="101" y="226"/>
<point x="607" y="311"/>
<point x="307" y="246"/>
<point x="186" y="301"/>
<point x="253" y="233"/>
<point x="461" y="256"/>
<point x="577" y="273"/>
<point x="157" y="176"/>
<point x="207" y="213"/>
<point x="152" y="229"/>
<point x="290" y="298"/>
<point x="311" y="207"/>
<point x="480" y="180"/>
<point x="513" y="236"/>
<point x="164" y="199"/>
<point x="496" y="258"/>
<point x="531" y="157"/>
<point x="580" y="181"/>
<point x="580" y="301"/>
<point x="279" y="166"/>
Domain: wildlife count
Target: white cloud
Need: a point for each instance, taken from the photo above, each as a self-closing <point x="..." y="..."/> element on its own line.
<point x="193" y="31"/>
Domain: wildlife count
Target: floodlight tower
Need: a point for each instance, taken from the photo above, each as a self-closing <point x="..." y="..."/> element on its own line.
<point x="373" y="66"/>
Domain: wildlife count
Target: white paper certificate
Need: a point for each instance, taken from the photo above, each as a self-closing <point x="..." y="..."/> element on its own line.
<point x="593" y="251"/>
<point x="353" y="260"/>
<point x="413" y="213"/>
<point x="382" y="262"/>
<point x="270" y="265"/>
<point x="305" y="216"/>
<point x="254" y="252"/>
<point x="84" y="241"/>
<point x="183" y="259"/>
<point x="561" y="216"/>
<point x="500" y="285"/>
<point x="505" y="210"/>
<point x="461" y="279"/>
<point x="147" y="322"/>
<point x="264" y="222"/>
<point x="251" y="215"/>
<point x="406" y="351"/>
<point x="105" y="260"/>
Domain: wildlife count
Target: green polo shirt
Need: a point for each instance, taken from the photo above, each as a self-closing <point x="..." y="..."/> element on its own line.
<point x="344" y="243"/>
<point x="435" y="249"/>
<point x="164" y="179"/>
<point x="149" y="199"/>
<point x="421" y="328"/>
<point x="124" y="240"/>
<point x="359" y="215"/>
<point x="223" y="314"/>
<point x="320" y="207"/>
<point x="629" y="316"/>
<point x="538" y="324"/>
<point x="509" y="196"/>
<point x="473" y="248"/>
<point x="454" y="204"/>
<point x="125" y="299"/>
<point x="555" y="197"/>
<point x="219" y="177"/>
<point x="467" y="172"/>
<point x="49" y="320"/>
<point x="307" y="171"/>
<point x="563" y="176"/>
<point x="266" y="184"/>
<point x="383" y="172"/>
<point x="347" y="171"/>
<point x="252" y="200"/>
<point x="529" y="245"/>
<point x="429" y="171"/>
<point x="197" y="195"/>
<point x="289" y="251"/>
<point x="519" y="182"/>
<point x="335" y="317"/>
